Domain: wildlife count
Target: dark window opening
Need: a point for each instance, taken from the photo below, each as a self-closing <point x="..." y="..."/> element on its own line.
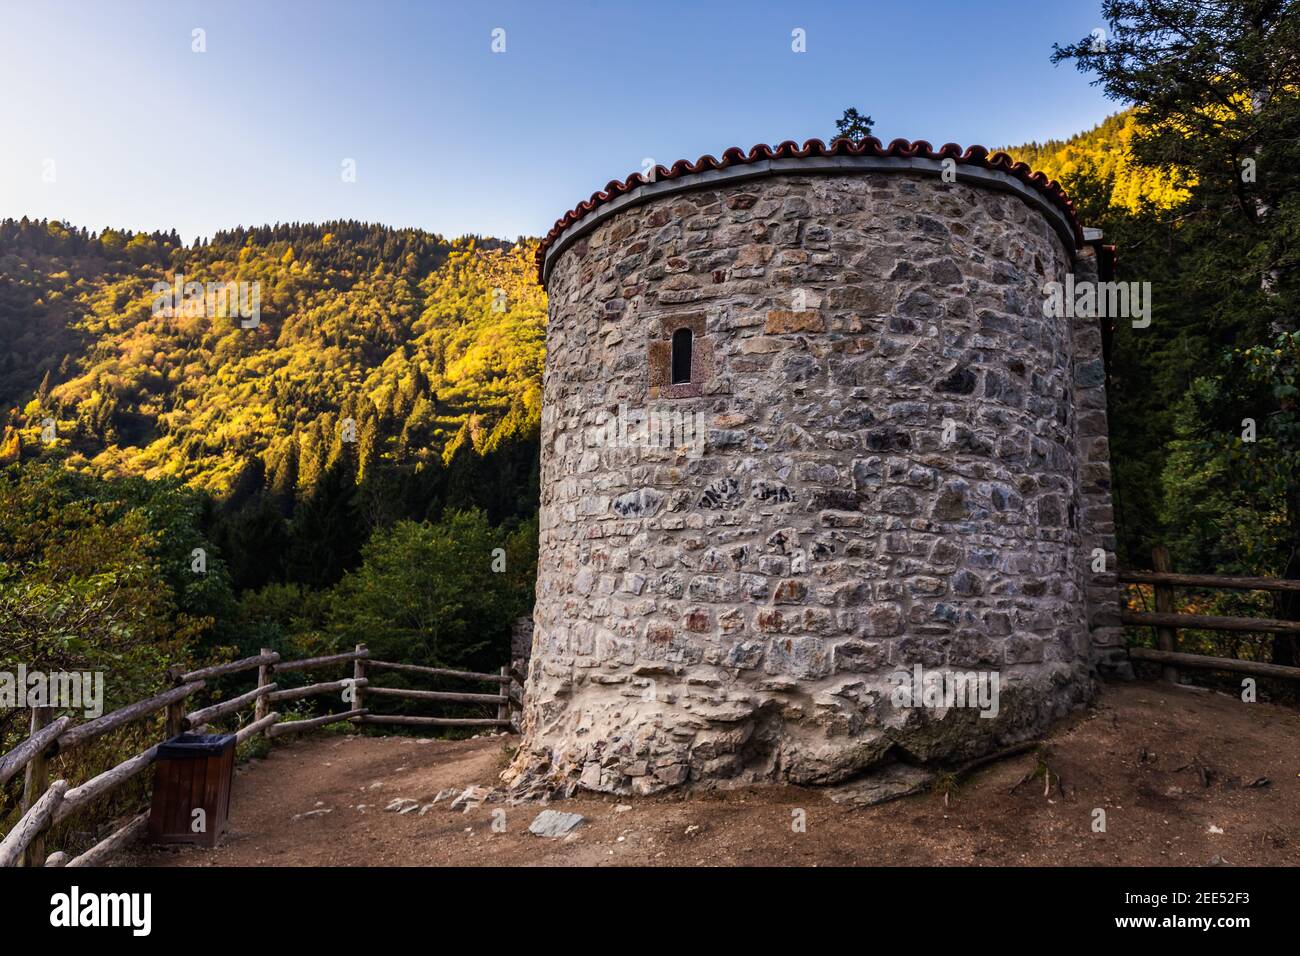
<point x="681" y="357"/>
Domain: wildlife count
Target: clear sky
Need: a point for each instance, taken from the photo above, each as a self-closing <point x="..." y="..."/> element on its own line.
<point x="447" y="135"/>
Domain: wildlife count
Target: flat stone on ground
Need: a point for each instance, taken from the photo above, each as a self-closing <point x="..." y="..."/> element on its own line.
<point x="555" y="823"/>
<point x="881" y="785"/>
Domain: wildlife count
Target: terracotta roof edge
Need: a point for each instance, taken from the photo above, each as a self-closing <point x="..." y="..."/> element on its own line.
<point x="974" y="155"/>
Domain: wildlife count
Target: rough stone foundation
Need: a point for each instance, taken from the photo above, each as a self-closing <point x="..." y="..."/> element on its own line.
<point x="903" y="461"/>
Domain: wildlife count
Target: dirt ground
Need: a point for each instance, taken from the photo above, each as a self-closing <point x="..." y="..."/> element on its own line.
<point x="1185" y="777"/>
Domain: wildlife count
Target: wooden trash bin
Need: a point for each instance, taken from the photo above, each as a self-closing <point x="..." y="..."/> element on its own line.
<point x="193" y="772"/>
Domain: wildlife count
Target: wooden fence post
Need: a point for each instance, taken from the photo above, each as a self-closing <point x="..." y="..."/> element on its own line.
<point x="35" y="783"/>
<point x="503" y="708"/>
<point x="1166" y="637"/>
<point x="358" y="674"/>
<point x="176" y="710"/>
<point x="263" y="706"/>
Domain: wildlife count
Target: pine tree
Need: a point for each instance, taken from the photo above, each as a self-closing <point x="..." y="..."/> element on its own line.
<point x="1216" y="89"/>
<point x="284" y="477"/>
<point x="43" y="392"/>
<point x="853" y="125"/>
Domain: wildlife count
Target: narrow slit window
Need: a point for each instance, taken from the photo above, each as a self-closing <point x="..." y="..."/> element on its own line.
<point x="681" y="357"/>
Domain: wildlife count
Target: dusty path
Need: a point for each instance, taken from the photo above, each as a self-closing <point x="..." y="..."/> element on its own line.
<point x="1135" y="755"/>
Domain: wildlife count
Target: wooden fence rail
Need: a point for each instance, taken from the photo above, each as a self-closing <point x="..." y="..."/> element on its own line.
<point x="502" y="678"/>
<point x="1167" y="621"/>
<point x="33" y="824"/>
<point x="436" y="695"/>
<point x="18" y="758"/>
<point x="78" y="735"/>
<point x="294" y="726"/>
<point x="106" y="782"/>
<point x="46" y="805"/>
<point x="433" y="721"/>
<point x="256" y="727"/>
<point x="1204" y="662"/>
<point x="311" y="690"/>
<point x="311" y="662"/>
<point x="234" y="667"/>
<point x="201" y="717"/>
<point x="1210" y="623"/>
<point x="1208" y="581"/>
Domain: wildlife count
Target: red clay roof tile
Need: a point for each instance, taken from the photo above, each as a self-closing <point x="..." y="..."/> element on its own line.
<point x="902" y="148"/>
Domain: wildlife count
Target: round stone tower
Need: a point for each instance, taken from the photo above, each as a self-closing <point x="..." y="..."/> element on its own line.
<point x="823" y="481"/>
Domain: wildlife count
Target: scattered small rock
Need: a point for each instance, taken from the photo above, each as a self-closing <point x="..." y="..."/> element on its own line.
<point x="312" y="813"/>
<point x="1213" y="829"/>
<point x="402" y="805"/>
<point x="470" y="798"/>
<point x="555" y="823"/>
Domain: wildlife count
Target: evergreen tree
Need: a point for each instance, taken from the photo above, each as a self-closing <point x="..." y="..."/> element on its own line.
<point x="853" y="125"/>
<point x="1216" y="91"/>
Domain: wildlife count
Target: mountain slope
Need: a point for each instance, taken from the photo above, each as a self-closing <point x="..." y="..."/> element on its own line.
<point x="1103" y="155"/>
<point x="399" y="341"/>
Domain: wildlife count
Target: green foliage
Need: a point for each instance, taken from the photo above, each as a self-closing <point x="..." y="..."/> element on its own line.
<point x="392" y="374"/>
<point x="427" y="593"/>
<point x="1104" y="155"/>
<point x="853" y="125"/>
<point x="97" y="574"/>
<point x="1213" y="85"/>
<point x="413" y="338"/>
<point x="47" y="272"/>
<point x="1232" y="484"/>
<point x="1215" y="94"/>
<point x="290" y="619"/>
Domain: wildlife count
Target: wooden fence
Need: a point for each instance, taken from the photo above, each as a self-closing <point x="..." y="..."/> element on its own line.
<point x="1167" y="621"/>
<point x="46" y="804"/>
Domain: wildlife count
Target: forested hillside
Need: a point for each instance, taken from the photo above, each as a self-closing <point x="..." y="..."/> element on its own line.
<point x="425" y="344"/>
<point x="358" y="464"/>
<point x="1104" y="156"/>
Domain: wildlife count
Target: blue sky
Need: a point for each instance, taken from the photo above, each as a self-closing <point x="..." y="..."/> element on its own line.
<point x="446" y="135"/>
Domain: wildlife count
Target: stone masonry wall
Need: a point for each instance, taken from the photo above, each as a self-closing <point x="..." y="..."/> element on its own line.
<point x="889" y="474"/>
<point x="1097" y="517"/>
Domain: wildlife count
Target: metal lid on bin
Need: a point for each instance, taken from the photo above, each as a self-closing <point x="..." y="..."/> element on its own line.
<point x="196" y="745"/>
